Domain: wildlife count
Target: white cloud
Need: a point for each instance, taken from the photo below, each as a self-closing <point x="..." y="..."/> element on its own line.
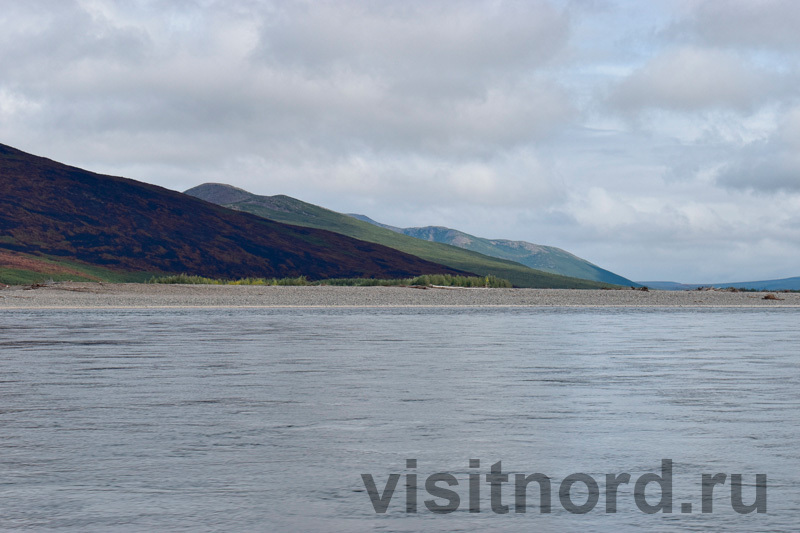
<point x="414" y="40"/>
<point x="692" y="79"/>
<point x="759" y="24"/>
<point x="769" y="165"/>
<point x="14" y="106"/>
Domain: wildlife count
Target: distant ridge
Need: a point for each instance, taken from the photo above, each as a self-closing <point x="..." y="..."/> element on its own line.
<point x="54" y="213"/>
<point x="292" y="211"/>
<point x="785" y="284"/>
<point x="540" y="257"/>
<point x="365" y="218"/>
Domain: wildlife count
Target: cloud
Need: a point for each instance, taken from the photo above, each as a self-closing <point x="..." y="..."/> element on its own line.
<point x="764" y="173"/>
<point x="423" y="77"/>
<point x="428" y="77"/>
<point x="714" y="236"/>
<point x="691" y="79"/>
<point x="772" y="165"/>
<point x="415" y="41"/>
<point x="519" y="178"/>
<point x="762" y="24"/>
<point x="46" y="38"/>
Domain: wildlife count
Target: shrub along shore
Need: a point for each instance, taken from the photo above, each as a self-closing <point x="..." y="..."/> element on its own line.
<point x="427" y="280"/>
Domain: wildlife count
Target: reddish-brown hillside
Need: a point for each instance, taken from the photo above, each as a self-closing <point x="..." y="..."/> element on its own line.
<point x="47" y="208"/>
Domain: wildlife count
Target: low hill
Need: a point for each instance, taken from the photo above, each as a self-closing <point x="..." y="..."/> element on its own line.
<point x="785" y="284"/>
<point x="54" y="213"/>
<point x="292" y="211"/>
<point x="670" y="285"/>
<point x="540" y="257"/>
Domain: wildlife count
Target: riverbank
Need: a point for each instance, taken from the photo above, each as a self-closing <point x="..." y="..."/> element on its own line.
<point x="132" y="295"/>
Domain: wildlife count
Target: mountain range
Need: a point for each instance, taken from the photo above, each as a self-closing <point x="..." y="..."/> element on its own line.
<point x="71" y="223"/>
<point x="537" y="256"/>
<point x="63" y="222"/>
<point x="292" y="211"/>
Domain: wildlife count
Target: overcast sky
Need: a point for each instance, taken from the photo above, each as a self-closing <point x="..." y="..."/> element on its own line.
<point x="658" y="139"/>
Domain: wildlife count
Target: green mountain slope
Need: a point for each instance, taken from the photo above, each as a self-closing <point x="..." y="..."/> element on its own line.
<point x="291" y="211"/>
<point x="547" y="258"/>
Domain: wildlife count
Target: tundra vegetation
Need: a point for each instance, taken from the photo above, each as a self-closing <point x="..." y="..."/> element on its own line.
<point x="426" y="280"/>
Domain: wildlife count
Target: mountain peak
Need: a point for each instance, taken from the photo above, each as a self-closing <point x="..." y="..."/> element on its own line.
<point x="219" y="193"/>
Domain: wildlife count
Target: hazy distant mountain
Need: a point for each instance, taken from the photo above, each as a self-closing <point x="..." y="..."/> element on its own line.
<point x="54" y="213"/>
<point x="365" y="218"/>
<point x="292" y="211"/>
<point x="786" y="284"/>
<point x="669" y="285"/>
<point x="547" y="258"/>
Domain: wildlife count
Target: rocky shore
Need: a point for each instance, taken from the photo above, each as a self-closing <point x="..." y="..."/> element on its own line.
<point x="130" y="295"/>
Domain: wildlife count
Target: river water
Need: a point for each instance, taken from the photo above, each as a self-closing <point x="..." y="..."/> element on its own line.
<point x="272" y="419"/>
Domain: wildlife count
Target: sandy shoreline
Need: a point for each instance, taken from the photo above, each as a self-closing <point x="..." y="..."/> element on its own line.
<point x="129" y="295"/>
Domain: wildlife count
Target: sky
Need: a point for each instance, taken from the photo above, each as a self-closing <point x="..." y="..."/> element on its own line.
<point x="658" y="139"/>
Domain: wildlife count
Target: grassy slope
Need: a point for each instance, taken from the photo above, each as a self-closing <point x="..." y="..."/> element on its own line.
<point x="291" y="211"/>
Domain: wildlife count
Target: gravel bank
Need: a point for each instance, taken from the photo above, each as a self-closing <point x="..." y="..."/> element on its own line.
<point x="129" y="295"/>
